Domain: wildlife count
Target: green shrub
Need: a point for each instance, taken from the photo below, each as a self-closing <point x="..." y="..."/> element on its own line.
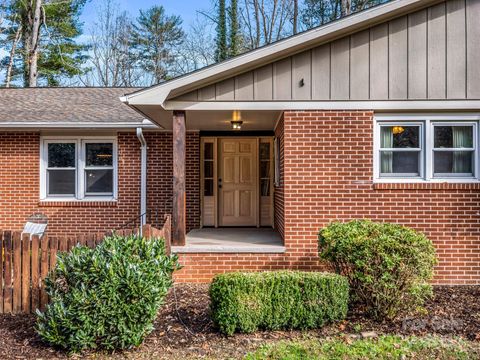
<point x="388" y="266"/>
<point x="246" y="302"/>
<point x="106" y="297"/>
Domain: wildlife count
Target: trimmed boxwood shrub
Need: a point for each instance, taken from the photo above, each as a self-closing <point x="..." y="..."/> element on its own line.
<point x="246" y="302"/>
<point x="106" y="297"/>
<point x="387" y="265"/>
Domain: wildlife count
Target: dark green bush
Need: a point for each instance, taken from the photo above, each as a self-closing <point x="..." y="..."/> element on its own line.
<point x="387" y="265"/>
<point x="246" y="302"/>
<point x="106" y="297"/>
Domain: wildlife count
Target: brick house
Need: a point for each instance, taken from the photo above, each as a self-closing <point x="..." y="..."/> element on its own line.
<point x="372" y="116"/>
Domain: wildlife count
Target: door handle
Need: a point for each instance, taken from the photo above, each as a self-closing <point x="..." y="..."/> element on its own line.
<point x="220" y="186"/>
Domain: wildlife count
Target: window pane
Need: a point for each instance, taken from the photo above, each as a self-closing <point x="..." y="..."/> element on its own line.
<point x="453" y="162"/>
<point x="99" y="154"/>
<point x="453" y="136"/>
<point x="61" y="155"/>
<point x="208" y="169"/>
<point x="208" y="151"/>
<point x="209" y="187"/>
<point x="99" y="181"/>
<point x="265" y="187"/>
<point x="400" y="137"/>
<point x="265" y="169"/>
<point x="399" y="162"/>
<point x="61" y="182"/>
<point x="265" y="151"/>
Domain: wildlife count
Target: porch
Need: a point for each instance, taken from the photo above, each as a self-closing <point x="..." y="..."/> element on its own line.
<point x="232" y="240"/>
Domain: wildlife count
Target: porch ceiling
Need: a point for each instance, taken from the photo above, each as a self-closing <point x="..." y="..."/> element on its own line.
<point x="215" y="120"/>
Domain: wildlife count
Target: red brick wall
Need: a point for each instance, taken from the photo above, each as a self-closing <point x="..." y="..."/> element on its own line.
<point x="328" y="176"/>
<point x="160" y="174"/>
<point x="279" y="208"/>
<point x="328" y="169"/>
<point x="19" y="189"/>
<point x="19" y="185"/>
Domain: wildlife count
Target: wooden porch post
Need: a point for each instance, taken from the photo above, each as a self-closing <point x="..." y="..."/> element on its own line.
<point x="179" y="158"/>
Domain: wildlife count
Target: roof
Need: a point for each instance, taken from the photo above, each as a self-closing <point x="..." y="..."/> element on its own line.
<point x="159" y="94"/>
<point x="67" y="107"/>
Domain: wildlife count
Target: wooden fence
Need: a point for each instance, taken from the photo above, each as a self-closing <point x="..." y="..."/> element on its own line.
<point x="26" y="260"/>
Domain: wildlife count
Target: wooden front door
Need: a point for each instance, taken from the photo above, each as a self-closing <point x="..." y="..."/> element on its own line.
<point x="237" y="182"/>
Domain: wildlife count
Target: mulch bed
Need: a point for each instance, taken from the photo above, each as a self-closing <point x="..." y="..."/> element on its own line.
<point x="183" y="328"/>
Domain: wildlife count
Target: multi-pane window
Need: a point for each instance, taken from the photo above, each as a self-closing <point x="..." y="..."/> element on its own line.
<point x="453" y="150"/>
<point x="400" y="150"/>
<point x="78" y="168"/>
<point x="427" y="149"/>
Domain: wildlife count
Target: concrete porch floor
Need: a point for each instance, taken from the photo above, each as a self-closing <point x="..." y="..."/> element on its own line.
<point x="232" y="240"/>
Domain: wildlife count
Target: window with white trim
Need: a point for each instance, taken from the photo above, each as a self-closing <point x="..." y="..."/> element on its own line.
<point x="78" y="168"/>
<point x="430" y="149"/>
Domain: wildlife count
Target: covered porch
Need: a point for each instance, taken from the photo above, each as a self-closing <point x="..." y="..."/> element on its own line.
<point x="232" y="240"/>
<point x="237" y="186"/>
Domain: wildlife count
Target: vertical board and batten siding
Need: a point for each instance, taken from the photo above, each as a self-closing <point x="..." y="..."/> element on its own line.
<point x="433" y="53"/>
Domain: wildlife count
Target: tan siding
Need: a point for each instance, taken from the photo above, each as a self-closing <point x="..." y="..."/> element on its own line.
<point x="359" y="65"/>
<point x="379" y="62"/>
<point x="473" y="49"/>
<point x="321" y="73"/>
<point x="225" y="90"/>
<point x="244" y="86"/>
<point x="417" y="55"/>
<point x="437" y="61"/>
<point x="340" y="87"/>
<point x="302" y="66"/>
<point x="433" y="53"/>
<point x="282" y="79"/>
<point x="263" y="83"/>
<point x="456" y="50"/>
<point x="398" y="55"/>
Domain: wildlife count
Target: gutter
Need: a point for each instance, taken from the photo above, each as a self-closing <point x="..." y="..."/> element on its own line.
<point x="143" y="178"/>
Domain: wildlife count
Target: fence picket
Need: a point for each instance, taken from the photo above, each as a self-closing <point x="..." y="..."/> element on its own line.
<point x="44" y="272"/>
<point x="35" y="292"/>
<point x="7" y="290"/>
<point x="53" y="252"/>
<point x="26" y="276"/>
<point x="17" y="272"/>
<point x="26" y="261"/>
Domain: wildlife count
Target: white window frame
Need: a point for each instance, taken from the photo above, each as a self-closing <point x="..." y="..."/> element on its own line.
<point x="80" y="161"/>
<point x="428" y="122"/>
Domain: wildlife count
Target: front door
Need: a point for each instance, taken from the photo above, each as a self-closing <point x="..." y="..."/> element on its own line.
<point x="237" y="182"/>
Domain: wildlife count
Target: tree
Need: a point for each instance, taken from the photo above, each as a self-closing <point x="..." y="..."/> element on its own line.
<point x="155" y="35"/>
<point x="266" y="21"/>
<point x="112" y="61"/>
<point x="40" y="38"/>
<point x="221" y="40"/>
<point x="319" y="12"/>
<point x="234" y="44"/>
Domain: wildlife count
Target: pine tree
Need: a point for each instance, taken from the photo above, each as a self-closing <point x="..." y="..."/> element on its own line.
<point x="40" y="39"/>
<point x="155" y="35"/>
<point x="221" y="52"/>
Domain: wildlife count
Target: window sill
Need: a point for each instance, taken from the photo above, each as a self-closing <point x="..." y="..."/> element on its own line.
<point x="85" y="203"/>
<point x="427" y="185"/>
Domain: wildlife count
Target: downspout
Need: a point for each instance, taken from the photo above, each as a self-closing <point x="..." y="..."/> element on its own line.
<point x="143" y="178"/>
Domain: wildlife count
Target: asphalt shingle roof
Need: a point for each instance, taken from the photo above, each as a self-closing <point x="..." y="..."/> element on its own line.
<point x="66" y="105"/>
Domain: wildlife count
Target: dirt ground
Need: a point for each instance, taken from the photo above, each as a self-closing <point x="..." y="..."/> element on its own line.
<point x="183" y="329"/>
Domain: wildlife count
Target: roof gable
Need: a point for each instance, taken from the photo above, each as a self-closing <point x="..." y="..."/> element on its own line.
<point x="431" y="53"/>
<point x="260" y="62"/>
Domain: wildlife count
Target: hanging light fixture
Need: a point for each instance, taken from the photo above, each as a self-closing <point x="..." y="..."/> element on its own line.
<point x="236" y="120"/>
<point x="397" y="130"/>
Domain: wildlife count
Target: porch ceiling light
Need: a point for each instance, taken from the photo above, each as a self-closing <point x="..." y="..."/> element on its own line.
<point x="236" y="120"/>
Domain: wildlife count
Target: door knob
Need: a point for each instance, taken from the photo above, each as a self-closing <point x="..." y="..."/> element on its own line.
<point x="220" y="186"/>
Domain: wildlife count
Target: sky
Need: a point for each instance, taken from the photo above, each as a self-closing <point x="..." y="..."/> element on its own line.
<point x="187" y="9"/>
